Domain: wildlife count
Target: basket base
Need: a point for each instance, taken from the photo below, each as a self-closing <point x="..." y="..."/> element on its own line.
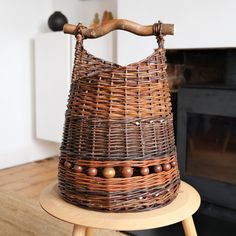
<point x="134" y="203"/>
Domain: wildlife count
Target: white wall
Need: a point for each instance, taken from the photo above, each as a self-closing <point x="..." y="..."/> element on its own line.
<point x="199" y="24"/>
<point x="81" y="10"/>
<point x="20" y="21"/>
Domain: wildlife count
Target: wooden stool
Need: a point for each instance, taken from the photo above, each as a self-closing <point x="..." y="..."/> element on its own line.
<point x="181" y="209"/>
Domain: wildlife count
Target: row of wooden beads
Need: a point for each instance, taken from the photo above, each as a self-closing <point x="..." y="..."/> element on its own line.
<point x="109" y="172"/>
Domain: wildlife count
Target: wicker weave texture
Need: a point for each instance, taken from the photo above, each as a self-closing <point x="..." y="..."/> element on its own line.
<point x="118" y="117"/>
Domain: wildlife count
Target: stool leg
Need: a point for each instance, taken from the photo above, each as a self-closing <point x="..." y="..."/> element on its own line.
<point x="89" y="231"/>
<point x="189" y="227"/>
<point x="79" y="230"/>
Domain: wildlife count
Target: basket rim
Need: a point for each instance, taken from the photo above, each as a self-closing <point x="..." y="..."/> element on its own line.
<point x="117" y="67"/>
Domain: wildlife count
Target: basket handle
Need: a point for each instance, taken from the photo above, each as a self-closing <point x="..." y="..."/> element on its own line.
<point x="120" y="24"/>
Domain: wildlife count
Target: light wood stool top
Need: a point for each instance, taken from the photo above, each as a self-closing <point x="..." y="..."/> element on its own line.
<point x="181" y="209"/>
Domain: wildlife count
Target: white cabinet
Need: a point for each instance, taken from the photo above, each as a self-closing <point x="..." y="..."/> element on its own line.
<point x="54" y="54"/>
<point x="53" y="60"/>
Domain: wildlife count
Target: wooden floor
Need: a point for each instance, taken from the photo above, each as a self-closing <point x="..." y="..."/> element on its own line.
<point x="29" y="180"/>
<point x="20" y="212"/>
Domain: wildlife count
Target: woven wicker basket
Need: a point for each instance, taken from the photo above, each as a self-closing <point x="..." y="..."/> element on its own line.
<point x="118" y="152"/>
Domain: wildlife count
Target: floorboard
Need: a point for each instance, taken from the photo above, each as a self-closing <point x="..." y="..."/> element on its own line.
<point x="20" y="212"/>
<point x="28" y="180"/>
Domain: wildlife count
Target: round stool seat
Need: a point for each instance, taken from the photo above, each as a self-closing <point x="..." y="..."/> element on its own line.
<point x="181" y="209"/>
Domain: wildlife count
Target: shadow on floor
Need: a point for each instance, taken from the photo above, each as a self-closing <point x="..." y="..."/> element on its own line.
<point x="205" y="225"/>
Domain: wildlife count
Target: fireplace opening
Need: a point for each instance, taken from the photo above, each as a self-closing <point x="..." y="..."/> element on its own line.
<point x="203" y="89"/>
<point x="199" y="67"/>
<point x="206" y="145"/>
<point x="211" y="147"/>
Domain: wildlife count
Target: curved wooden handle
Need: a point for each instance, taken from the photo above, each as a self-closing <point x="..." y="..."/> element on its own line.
<point x="118" y="24"/>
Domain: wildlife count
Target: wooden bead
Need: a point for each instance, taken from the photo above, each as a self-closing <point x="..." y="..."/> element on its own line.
<point x="158" y="168"/>
<point x="67" y="164"/>
<point x="144" y="170"/>
<point x="173" y="163"/>
<point x="92" y="171"/>
<point x="109" y="172"/>
<point x="166" y="167"/>
<point x="127" y="171"/>
<point x="78" y="169"/>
